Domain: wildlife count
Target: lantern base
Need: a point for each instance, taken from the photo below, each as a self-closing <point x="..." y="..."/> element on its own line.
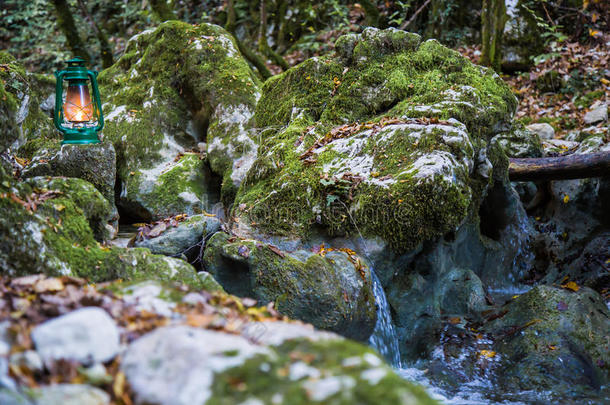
<point x="80" y="136"/>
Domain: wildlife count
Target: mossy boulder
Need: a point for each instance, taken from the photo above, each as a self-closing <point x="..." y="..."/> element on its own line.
<point x="50" y="225"/>
<point x="95" y="163"/>
<point x="416" y="119"/>
<point x="519" y="142"/>
<point x="333" y="291"/>
<point x="287" y="363"/>
<point x="555" y="340"/>
<point x="175" y="87"/>
<point x="23" y="93"/>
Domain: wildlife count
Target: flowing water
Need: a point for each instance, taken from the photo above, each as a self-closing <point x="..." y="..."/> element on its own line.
<point x="384" y="338"/>
<point x="477" y="391"/>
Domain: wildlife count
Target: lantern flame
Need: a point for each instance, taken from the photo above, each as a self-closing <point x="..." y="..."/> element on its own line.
<point x="78" y="106"/>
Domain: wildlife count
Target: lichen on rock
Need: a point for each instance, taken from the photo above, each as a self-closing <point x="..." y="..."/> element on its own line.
<point x="50" y="225"/>
<point x="174" y="87"/>
<point x="332" y="291"/>
<point x="416" y="121"/>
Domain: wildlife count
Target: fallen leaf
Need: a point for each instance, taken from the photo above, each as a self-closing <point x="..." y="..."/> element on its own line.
<point x="571" y="285"/>
<point x="277" y="251"/>
<point x="49" y="284"/>
<point x="487" y="353"/>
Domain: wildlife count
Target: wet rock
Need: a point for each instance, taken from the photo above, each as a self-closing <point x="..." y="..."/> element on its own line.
<point x="333" y="292"/>
<point x="70" y="394"/>
<point x="553" y="339"/>
<point x="87" y="335"/>
<point x="186" y="238"/>
<point x="598" y="112"/>
<point x="543" y="130"/>
<point x="160" y="104"/>
<point x="200" y="365"/>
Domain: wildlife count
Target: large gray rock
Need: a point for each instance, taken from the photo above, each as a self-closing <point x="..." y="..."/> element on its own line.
<point x="553" y="339"/>
<point x="88" y="335"/>
<point x="176" y="365"/>
<point x="95" y="163"/>
<point x="332" y="291"/>
<point x="182" y="365"/>
<point x="155" y="114"/>
<point x="178" y="240"/>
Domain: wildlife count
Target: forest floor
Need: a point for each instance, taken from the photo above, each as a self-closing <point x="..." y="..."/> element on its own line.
<point x="560" y="90"/>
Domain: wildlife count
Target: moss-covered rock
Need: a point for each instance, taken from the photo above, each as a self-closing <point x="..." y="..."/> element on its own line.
<point x="519" y="143"/>
<point x="95" y="163"/>
<point x="553" y="339"/>
<point x="286" y="364"/>
<point x="333" y="291"/>
<point x="376" y="178"/>
<point x="186" y="236"/>
<point x="24" y="93"/>
<point x="50" y="225"/>
<point x="174" y="87"/>
<point x="8" y="110"/>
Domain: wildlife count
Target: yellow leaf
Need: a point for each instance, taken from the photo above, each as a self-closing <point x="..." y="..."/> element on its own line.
<point x="605" y="81"/>
<point x="570" y="285"/>
<point x="552" y="347"/>
<point x="119" y="384"/>
<point x="487" y="353"/>
<point x="594" y="33"/>
<point x="566" y="198"/>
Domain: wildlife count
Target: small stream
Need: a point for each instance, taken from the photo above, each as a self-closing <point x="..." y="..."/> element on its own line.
<point x="478" y="391"/>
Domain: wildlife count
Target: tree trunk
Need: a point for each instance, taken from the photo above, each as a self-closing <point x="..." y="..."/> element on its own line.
<point x="263" y="45"/>
<point x="105" y="48"/>
<point x="231" y="17"/>
<point x="493" y="19"/>
<point x="66" y="24"/>
<point x="560" y="168"/>
<point x="162" y="10"/>
<point x="372" y="14"/>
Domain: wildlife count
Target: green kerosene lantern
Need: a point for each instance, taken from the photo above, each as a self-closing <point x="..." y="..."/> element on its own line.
<point x="76" y="116"/>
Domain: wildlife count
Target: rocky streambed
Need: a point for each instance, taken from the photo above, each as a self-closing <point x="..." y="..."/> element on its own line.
<point x="364" y="193"/>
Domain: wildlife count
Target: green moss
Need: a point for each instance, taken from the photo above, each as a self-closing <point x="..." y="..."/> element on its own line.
<point x="326" y="358"/>
<point x="300" y="284"/>
<point x="375" y="75"/>
<point x="561" y="333"/>
<point x="176" y="86"/>
<point x="58" y="237"/>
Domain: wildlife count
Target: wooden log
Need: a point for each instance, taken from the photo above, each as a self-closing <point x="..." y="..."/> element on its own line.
<point x="577" y="166"/>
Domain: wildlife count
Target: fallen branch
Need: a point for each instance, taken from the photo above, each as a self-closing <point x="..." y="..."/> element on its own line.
<point x="410" y="20"/>
<point x="577" y="166"/>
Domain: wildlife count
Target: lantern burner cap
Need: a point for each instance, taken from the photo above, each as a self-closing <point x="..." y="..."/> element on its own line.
<point x="76" y="62"/>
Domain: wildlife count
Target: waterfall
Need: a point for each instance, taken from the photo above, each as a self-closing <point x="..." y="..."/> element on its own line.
<point x="384" y="338"/>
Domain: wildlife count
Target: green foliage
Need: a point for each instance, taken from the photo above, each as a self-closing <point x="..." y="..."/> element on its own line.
<point x="551" y="33"/>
